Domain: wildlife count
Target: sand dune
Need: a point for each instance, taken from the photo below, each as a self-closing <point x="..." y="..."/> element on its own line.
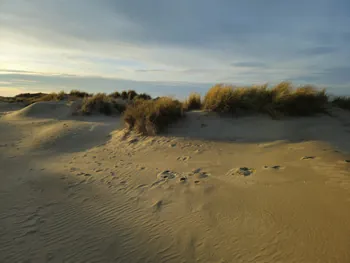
<point x="211" y="189"/>
<point x="44" y="109"/>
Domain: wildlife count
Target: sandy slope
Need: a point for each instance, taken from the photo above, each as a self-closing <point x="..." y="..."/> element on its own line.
<point x="82" y="190"/>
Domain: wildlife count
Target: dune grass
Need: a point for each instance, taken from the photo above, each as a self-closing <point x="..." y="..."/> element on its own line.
<point x="100" y="103"/>
<point x="49" y="97"/>
<point x="150" y="117"/>
<point x="193" y="102"/>
<point x="282" y="99"/>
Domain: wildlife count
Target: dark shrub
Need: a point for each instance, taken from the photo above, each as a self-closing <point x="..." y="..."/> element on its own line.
<point x="143" y="96"/>
<point x="124" y="95"/>
<point x="131" y="94"/>
<point x="79" y="94"/>
<point x="115" y="95"/>
<point x="193" y="102"/>
<point x="342" y="102"/>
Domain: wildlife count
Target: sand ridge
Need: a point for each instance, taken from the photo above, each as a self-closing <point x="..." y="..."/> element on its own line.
<point x="84" y="190"/>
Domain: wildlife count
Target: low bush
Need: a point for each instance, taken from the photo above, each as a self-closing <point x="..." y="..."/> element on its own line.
<point x="124" y="95"/>
<point x="131" y="94"/>
<point x="79" y="94"/>
<point x="143" y="96"/>
<point x="150" y="117"/>
<point x="342" y="102"/>
<point x="99" y="103"/>
<point x="115" y="95"/>
<point x="193" y="102"/>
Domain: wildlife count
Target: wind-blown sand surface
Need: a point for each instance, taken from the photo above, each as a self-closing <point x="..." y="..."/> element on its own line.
<point x="252" y="189"/>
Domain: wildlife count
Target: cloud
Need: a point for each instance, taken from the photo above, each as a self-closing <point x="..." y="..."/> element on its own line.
<point x="318" y="51"/>
<point x="13" y="82"/>
<point x="249" y="64"/>
<point x="168" y="41"/>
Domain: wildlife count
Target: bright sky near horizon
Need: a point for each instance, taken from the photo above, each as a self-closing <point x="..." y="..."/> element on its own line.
<point x="172" y="47"/>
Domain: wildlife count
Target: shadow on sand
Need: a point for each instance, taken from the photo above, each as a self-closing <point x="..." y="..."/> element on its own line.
<point x="334" y="130"/>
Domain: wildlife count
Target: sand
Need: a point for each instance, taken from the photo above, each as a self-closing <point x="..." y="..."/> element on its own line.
<point x="211" y="189"/>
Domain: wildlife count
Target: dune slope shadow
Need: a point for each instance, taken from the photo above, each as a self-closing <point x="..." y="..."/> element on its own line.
<point x="260" y="128"/>
<point x="73" y="136"/>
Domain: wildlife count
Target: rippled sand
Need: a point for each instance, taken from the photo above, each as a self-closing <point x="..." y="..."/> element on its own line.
<point x="210" y="190"/>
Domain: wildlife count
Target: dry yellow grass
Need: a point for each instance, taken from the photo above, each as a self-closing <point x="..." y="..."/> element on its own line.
<point x="100" y="103"/>
<point x="282" y="99"/>
<point x="193" y="102"/>
<point x="149" y="117"/>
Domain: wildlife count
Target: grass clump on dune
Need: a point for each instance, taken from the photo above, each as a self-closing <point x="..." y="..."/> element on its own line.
<point x="302" y="101"/>
<point x="193" y="102"/>
<point x="100" y="103"/>
<point x="79" y="94"/>
<point x="150" y="117"/>
<point x="129" y="95"/>
<point x="282" y="99"/>
<point x="50" y="97"/>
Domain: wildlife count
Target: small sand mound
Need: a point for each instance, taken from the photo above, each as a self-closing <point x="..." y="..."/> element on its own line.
<point x="6" y="108"/>
<point x="45" y="109"/>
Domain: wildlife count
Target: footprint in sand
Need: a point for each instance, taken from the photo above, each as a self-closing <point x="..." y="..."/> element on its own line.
<point x="157" y="206"/>
<point x="308" y="157"/>
<point x="274" y="167"/>
<point x="166" y="175"/>
<point x="183" y="179"/>
<point x="183" y="158"/>
<point x="195" y="171"/>
<point x="199" y="173"/>
<point x="202" y="175"/>
<point x="245" y="171"/>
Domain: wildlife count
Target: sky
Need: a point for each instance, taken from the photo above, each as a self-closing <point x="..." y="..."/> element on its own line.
<point x="168" y="47"/>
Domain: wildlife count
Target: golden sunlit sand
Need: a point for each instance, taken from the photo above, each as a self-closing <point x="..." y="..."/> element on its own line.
<point x="209" y="189"/>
